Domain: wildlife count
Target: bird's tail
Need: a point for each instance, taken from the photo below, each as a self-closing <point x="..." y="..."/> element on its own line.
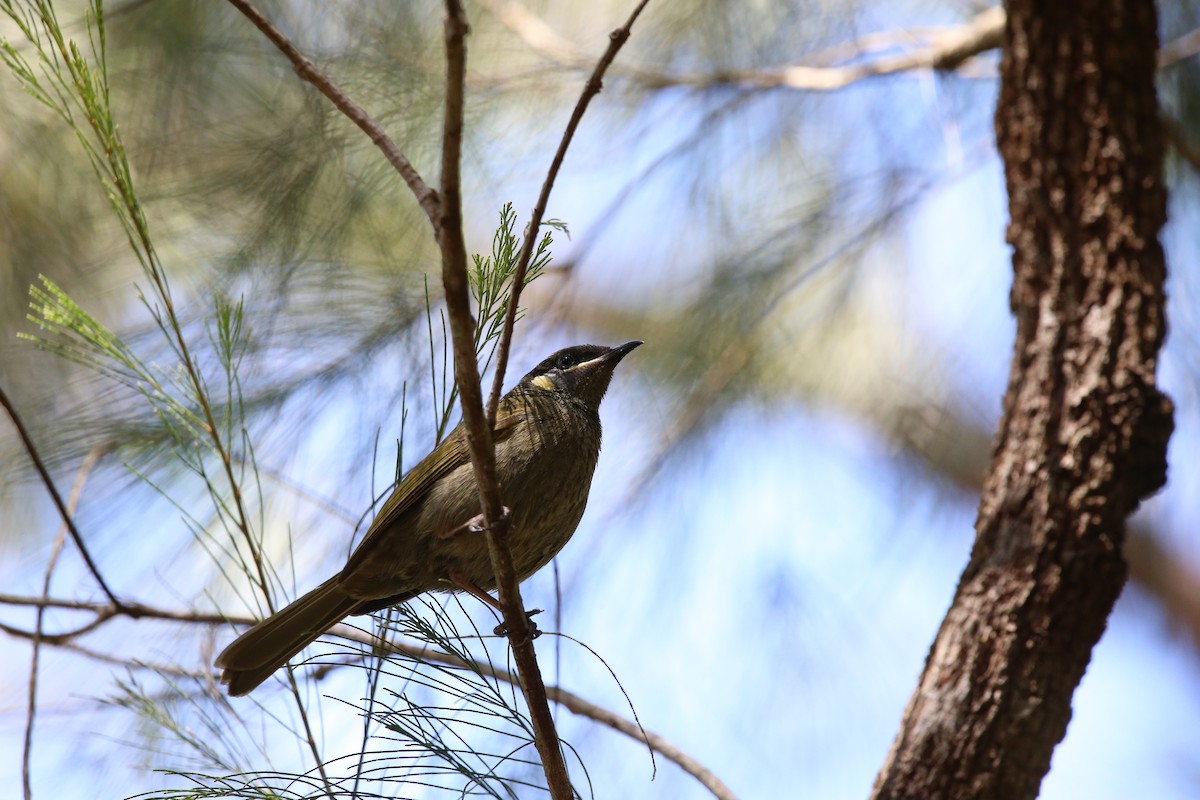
<point x="256" y="654"/>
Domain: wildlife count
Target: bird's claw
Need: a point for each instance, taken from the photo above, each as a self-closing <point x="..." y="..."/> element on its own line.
<point x="534" y="631"/>
<point x="478" y="523"/>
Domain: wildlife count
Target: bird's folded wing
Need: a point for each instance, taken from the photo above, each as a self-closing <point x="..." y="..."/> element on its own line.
<point x="448" y="456"/>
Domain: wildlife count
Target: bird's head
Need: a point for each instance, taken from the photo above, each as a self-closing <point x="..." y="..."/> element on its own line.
<point x="582" y="371"/>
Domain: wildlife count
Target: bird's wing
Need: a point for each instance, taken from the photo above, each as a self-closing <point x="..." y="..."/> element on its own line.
<point x="448" y="456"/>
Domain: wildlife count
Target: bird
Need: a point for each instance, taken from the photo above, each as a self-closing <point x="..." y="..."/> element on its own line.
<point x="427" y="536"/>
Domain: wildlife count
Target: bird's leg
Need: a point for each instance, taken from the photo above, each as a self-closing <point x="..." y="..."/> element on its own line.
<point x="470" y="587"/>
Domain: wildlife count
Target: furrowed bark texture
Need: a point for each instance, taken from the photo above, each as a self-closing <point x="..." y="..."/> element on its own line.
<point x="1084" y="431"/>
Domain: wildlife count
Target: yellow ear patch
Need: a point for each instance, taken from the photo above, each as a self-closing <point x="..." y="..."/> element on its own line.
<point x="542" y="382"/>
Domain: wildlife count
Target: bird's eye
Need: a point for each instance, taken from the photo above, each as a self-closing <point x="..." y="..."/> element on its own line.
<point x="565" y="361"/>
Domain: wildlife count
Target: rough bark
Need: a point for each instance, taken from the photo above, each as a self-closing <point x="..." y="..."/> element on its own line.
<point x="1084" y="430"/>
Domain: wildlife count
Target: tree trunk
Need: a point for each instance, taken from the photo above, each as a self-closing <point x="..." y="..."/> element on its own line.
<point x="1084" y="432"/>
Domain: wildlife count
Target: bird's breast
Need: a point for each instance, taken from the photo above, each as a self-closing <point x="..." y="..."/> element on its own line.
<point x="545" y="471"/>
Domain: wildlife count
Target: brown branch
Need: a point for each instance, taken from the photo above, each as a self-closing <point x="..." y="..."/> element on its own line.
<point x="445" y="215"/>
<point x="63" y="511"/>
<point x="454" y="277"/>
<point x="576" y="705"/>
<point x="479" y="438"/>
<point x="1179" y="49"/>
<point x="616" y="40"/>
<point x="426" y="197"/>
<point x="942" y="49"/>
<point x="569" y="700"/>
<point x="947" y="51"/>
<point x="106" y="611"/>
<point x="534" y="31"/>
<point x="1177" y="135"/>
<point x="667" y="749"/>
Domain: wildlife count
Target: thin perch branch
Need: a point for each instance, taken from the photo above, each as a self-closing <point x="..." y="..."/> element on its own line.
<point x="616" y="40"/>
<point x="479" y="431"/>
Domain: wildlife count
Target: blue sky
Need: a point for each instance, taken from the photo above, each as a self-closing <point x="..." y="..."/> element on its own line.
<point x="769" y="600"/>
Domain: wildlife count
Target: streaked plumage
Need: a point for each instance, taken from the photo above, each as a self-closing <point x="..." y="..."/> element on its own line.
<point x="547" y="440"/>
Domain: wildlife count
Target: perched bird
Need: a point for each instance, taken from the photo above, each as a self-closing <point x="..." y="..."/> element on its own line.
<point x="547" y="440"/>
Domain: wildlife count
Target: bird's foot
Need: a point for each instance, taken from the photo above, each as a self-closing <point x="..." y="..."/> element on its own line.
<point x="478" y="523"/>
<point x="534" y="630"/>
<point x="473" y="589"/>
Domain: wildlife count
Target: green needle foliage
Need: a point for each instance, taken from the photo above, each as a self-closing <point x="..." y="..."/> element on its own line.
<point x="444" y="723"/>
<point x="490" y="278"/>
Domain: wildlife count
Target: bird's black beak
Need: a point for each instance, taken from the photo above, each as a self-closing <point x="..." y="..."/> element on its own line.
<point x="590" y="379"/>
<point x="614" y="356"/>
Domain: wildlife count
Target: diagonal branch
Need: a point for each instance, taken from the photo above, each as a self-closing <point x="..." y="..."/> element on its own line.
<point x="616" y="41"/>
<point x="427" y="198"/>
<point x="58" y="501"/>
<point x="940" y="49"/>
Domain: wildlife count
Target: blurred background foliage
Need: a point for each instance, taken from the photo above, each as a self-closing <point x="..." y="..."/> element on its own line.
<point x="791" y="463"/>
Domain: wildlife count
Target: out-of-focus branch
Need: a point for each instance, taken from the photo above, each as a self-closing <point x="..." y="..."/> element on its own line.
<point x="940" y="49"/>
<point x="946" y="50"/>
<point x="76" y="536"/>
<point x="35" y="658"/>
<point x="1183" y="146"/>
<point x="426" y="197"/>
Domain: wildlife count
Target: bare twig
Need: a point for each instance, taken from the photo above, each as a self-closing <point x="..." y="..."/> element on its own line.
<point x="946" y="51"/>
<point x="534" y="31"/>
<point x="58" y="501"/>
<point x="940" y="49"/>
<point x="126" y="609"/>
<point x="666" y="748"/>
<point x="1178" y="138"/>
<point x="426" y="197"/>
<point x="1179" y="49"/>
<point x="616" y="40"/>
<point x="35" y="658"/>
